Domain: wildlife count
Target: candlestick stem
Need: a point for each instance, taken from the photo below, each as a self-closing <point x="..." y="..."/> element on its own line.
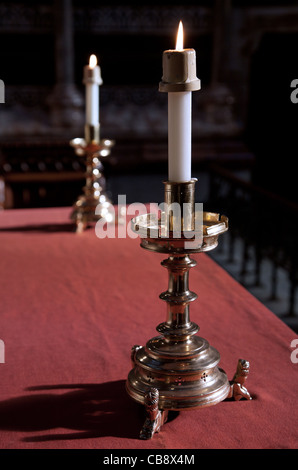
<point x="178" y="296"/>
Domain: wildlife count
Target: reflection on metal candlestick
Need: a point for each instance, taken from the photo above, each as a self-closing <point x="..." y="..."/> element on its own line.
<point x="178" y="370"/>
<point x="94" y="203"/>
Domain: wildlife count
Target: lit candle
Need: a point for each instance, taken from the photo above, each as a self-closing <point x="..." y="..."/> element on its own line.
<point x="92" y="80"/>
<point x="179" y="80"/>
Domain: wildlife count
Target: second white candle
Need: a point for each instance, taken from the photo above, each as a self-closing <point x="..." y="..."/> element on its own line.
<point x="92" y="80"/>
<point x="92" y="104"/>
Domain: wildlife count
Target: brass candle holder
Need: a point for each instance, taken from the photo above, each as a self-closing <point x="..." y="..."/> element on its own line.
<point x="94" y="203"/>
<point x="178" y="370"/>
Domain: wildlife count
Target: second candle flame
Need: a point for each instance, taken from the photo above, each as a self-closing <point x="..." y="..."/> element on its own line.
<point x="92" y="61"/>
<point x="179" y="41"/>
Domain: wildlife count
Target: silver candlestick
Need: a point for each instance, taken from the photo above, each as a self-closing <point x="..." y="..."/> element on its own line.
<point x="94" y="203"/>
<point x="178" y="370"/>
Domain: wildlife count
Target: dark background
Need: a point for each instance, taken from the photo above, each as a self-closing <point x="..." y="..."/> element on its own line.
<point x="130" y="60"/>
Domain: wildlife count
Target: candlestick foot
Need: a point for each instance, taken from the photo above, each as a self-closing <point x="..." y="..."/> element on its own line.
<point x="237" y="389"/>
<point x="155" y="417"/>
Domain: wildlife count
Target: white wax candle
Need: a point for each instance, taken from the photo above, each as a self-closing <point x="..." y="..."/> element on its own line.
<point x="92" y="104"/>
<point x="92" y="80"/>
<point x="179" y="136"/>
<point x="179" y="80"/>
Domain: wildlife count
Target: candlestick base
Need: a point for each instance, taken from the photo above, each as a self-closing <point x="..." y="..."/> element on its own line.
<point x="93" y="204"/>
<point x="178" y="370"/>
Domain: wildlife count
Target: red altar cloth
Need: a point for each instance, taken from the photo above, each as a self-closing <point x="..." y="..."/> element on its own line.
<point x="73" y="305"/>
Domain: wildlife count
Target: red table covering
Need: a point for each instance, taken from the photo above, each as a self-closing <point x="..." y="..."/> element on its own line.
<point x="73" y="305"/>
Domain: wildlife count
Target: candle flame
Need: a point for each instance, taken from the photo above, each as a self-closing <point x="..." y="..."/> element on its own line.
<point x="179" y="41"/>
<point x="92" y="61"/>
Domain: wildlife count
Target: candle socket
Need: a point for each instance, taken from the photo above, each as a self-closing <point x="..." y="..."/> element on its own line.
<point x="92" y="133"/>
<point x="179" y="198"/>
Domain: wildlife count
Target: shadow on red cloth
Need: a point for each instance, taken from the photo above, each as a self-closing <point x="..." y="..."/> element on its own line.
<point x="46" y="228"/>
<point x="92" y="410"/>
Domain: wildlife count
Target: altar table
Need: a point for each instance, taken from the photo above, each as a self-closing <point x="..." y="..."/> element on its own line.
<point x="73" y="305"/>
